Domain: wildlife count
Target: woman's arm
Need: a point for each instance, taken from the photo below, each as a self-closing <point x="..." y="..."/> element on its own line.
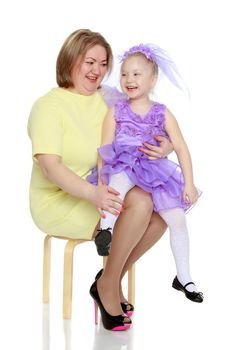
<point x="183" y="155"/>
<point x="55" y="171"/>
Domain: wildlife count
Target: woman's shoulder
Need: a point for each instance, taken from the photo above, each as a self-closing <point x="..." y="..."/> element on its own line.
<point x="48" y="99"/>
<point x="45" y="107"/>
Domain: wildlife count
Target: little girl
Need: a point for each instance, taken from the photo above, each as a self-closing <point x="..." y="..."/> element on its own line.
<point x="122" y="165"/>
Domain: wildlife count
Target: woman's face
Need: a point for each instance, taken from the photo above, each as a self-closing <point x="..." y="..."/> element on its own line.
<point x="88" y="74"/>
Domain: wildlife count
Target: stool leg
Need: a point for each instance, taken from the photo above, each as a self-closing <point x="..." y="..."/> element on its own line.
<point x="68" y="278"/>
<point x="46" y="268"/>
<point x="131" y="285"/>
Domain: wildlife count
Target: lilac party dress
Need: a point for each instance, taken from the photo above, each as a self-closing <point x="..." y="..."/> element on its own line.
<point x="161" y="177"/>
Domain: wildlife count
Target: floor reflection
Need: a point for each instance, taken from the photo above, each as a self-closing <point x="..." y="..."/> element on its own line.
<point x="107" y="340"/>
<point x="67" y="334"/>
<point x="67" y="326"/>
<point x="103" y="339"/>
<point x="45" y="327"/>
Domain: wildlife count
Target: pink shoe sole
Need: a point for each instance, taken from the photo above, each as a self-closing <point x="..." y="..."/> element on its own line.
<point x="129" y="313"/>
<point x="121" y="328"/>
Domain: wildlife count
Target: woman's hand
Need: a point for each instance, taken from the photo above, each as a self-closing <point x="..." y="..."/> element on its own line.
<point x="105" y="198"/>
<point x="155" y="152"/>
<point x="190" y="193"/>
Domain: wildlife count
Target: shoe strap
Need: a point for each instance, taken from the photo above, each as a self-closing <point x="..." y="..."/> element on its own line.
<point x="187" y="284"/>
<point x="104" y="229"/>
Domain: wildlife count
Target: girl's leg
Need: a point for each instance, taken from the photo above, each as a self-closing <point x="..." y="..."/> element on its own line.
<point x="121" y="183"/>
<point x="179" y="240"/>
<point x="129" y="230"/>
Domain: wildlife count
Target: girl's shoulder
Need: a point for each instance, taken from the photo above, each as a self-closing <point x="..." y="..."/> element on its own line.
<point x="121" y="110"/>
<point x="159" y="107"/>
<point x="111" y="95"/>
<point x="157" y="115"/>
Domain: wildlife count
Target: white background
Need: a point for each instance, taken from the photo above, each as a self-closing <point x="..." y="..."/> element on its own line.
<point x="197" y="35"/>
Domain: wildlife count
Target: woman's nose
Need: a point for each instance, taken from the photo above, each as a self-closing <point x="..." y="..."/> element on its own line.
<point x="96" y="69"/>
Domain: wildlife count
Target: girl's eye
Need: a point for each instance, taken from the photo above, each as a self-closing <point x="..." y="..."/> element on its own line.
<point x="136" y="74"/>
<point x="123" y="75"/>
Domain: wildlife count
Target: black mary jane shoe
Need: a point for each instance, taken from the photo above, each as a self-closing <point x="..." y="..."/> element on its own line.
<point x="127" y="308"/>
<point x="194" y="296"/>
<point x="103" y="240"/>
<point x="114" y="323"/>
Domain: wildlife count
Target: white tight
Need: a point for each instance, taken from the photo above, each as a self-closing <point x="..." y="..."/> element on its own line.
<point x="179" y="241"/>
<point x="174" y="218"/>
<point x="121" y="183"/>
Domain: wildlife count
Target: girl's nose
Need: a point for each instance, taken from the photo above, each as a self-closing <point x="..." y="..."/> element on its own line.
<point x="129" y="78"/>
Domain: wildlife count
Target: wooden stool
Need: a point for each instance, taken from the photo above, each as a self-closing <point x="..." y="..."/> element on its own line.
<point x="68" y="274"/>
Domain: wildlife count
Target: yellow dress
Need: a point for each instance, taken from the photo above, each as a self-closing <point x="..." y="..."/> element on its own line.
<point x="68" y="125"/>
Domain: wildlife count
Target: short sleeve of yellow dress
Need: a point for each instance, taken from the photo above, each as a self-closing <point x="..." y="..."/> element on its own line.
<point x="69" y="125"/>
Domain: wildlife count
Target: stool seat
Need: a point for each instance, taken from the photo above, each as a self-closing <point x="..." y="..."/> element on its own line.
<point x="68" y="273"/>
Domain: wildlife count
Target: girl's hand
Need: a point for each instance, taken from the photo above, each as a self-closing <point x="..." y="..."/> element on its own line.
<point x="105" y="198"/>
<point x="155" y="152"/>
<point x="190" y="193"/>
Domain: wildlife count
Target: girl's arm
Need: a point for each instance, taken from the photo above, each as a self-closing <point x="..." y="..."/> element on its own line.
<point x="183" y="155"/>
<point x="108" y="135"/>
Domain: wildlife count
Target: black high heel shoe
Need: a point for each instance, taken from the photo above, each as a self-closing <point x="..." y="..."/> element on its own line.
<point x="103" y="240"/>
<point x="194" y="296"/>
<point x="127" y="308"/>
<point x="113" y="323"/>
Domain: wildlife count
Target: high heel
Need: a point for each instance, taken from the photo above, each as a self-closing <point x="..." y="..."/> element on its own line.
<point x="127" y="308"/>
<point x="194" y="296"/>
<point x="96" y="312"/>
<point x="113" y="323"/>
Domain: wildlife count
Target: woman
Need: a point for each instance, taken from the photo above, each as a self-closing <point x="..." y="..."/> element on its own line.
<point x="65" y="130"/>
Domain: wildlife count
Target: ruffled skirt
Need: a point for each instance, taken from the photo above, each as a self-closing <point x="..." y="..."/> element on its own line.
<point x="161" y="177"/>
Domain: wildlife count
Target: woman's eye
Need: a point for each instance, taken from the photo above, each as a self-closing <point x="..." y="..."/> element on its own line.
<point x="89" y="62"/>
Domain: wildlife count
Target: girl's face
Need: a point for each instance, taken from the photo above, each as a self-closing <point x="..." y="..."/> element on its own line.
<point x="137" y="77"/>
<point x="88" y="74"/>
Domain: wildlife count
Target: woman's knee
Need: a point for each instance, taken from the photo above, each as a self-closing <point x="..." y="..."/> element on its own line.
<point x="158" y="224"/>
<point x="140" y="200"/>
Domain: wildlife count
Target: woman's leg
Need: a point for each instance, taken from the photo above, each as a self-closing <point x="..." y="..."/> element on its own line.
<point x="129" y="231"/>
<point x="154" y="232"/>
